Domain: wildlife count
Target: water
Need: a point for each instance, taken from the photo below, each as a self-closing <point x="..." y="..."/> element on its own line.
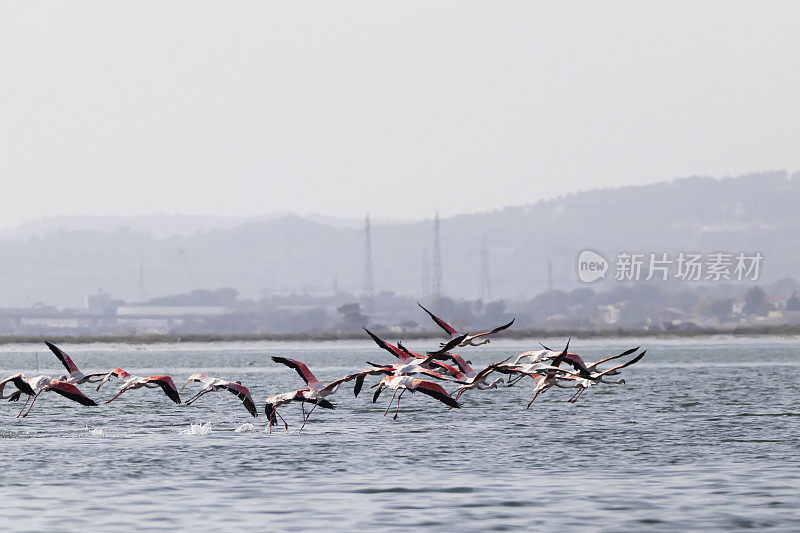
<point x="705" y="433"/>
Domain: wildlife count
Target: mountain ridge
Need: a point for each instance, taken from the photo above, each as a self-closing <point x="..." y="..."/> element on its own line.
<point x="288" y="253"/>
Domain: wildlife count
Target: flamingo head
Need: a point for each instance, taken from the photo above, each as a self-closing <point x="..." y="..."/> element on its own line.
<point x="271" y="411"/>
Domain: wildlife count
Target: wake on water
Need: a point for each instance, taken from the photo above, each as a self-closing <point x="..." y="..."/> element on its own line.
<point x="197" y="429"/>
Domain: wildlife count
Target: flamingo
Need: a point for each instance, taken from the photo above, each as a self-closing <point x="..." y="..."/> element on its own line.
<point x="477" y="380"/>
<point x="470" y="339"/>
<point x="34" y="386"/>
<point x="524" y="369"/>
<point x="131" y="382"/>
<point x="435" y="358"/>
<point x="537" y="361"/>
<point x="215" y="384"/>
<point x="299" y="395"/>
<point x="405" y="356"/>
<point x="404" y="383"/>
<point x="410" y="367"/>
<point x="583" y="382"/>
<point x="315" y="390"/>
<point x="536" y="356"/>
<point x="575" y="360"/>
<point x="75" y="375"/>
<point x="545" y="380"/>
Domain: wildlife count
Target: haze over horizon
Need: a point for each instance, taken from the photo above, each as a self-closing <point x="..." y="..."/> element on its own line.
<point x="187" y="223"/>
<point x="252" y="108"/>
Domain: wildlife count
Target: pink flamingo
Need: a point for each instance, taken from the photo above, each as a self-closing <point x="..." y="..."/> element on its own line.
<point x="131" y="382"/>
<point x="404" y="383"/>
<point x="315" y="393"/>
<point x="215" y="384"/>
<point x="470" y="339"/>
<point x="34" y="386"/>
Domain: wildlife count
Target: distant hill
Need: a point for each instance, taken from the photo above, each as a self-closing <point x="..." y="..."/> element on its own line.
<point x="58" y="261"/>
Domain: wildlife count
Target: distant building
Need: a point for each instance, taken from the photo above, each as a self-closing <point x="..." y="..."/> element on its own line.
<point x="169" y="311"/>
<point x="98" y="302"/>
<point x="609" y="314"/>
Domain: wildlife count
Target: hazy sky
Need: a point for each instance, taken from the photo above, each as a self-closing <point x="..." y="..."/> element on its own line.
<point x="339" y="108"/>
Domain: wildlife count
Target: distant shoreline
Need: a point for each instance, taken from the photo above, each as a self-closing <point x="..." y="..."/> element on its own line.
<point x="532" y="334"/>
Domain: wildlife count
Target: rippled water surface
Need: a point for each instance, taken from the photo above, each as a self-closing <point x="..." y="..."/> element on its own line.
<point x="704" y="434"/>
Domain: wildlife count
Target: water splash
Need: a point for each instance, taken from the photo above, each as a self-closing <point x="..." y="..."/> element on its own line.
<point x="245" y="428"/>
<point x="197" y="429"/>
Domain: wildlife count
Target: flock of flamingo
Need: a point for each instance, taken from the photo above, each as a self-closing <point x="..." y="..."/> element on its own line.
<point x="542" y="366"/>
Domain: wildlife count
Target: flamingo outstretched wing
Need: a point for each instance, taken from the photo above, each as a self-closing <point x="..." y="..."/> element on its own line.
<point x="330" y="387"/>
<point x="446" y="347"/>
<point x="498" y="329"/>
<point x="322" y="402"/>
<point x="167" y="385"/>
<point x="623" y="354"/>
<point x="63" y="357"/>
<point x="408" y="352"/>
<point x="489" y="369"/>
<point x="301" y="368"/>
<point x="244" y="394"/>
<point x="19" y="382"/>
<point x="462" y="363"/>
<point x="434" y="390"/>
<point x="450" y="330"/>
<point x="402" y="354"/>
<point x="613" y="368"/>
<point x="361" y="376"/>
<point x="70" y="391"/>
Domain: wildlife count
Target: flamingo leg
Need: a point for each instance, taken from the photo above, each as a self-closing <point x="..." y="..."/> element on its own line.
<point x="397" y="405"/>
<point x="195" y="397"/>
<point x="31" y="407"/>
<point x="534" y="397"/>
<point x="390" y="403"/>
<point x="575" y="396"/>
<point x="286" y="426"/>
<point x="303" y="408"/>
<point x="514" y="381"/>
<point x="306" y="418"/>
<point x="27" y="399"/>
<point x="117" y="396"/>
<point x="581" y="392"/>
<point x="23" y="405"/>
